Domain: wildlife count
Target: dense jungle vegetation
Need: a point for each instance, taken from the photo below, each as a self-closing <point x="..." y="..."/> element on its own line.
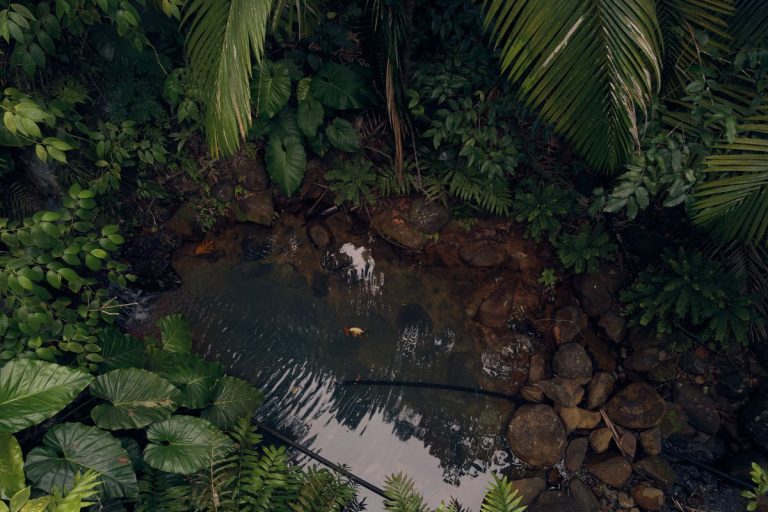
<point x="610" y="129"/>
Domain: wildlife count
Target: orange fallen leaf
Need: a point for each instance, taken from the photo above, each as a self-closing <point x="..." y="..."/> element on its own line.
<point x="205" y="247"/>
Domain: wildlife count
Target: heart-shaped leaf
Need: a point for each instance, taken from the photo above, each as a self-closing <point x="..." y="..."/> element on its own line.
<point x="339" y="87"/>
<point x="120" y="351"/>
<point x="286" y="162"/>
<point x="138" y="398"/>
<point x="184" y="444"/>
<point x="72" y="448"/>
<point x="271" y="88"/>
<point x="234" y="399"/>
<point x="343" y="135"/>
<point x="32" y="391"/>
<point x="12" y="467"/>
<point x="194" y="376"/>
<point x="310" y="115"/>
<point x="176" y="334"/>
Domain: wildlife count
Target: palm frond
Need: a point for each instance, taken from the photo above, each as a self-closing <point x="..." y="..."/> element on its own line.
<point x="585" y="65"/>
<point x="750" y="25"/>
<point x="222" y="38"/>
<point x="735" y="202"/>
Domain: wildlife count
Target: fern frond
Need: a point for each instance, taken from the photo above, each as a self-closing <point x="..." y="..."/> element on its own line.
<point x="501" y="497"/>
<point x="323" y="491"/>
<point x="85" y="488"/>
<point x="402" y="496"/>
<point x="163" y="491"/>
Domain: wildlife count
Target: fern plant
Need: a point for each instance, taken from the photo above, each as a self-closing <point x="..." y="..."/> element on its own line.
<point x="583" y="251"/>
<point x="542" y="209"/>
<point x="353" y="182"/>
<point x="691" y="293"/>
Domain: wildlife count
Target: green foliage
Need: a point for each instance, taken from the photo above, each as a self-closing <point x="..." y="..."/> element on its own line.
<point x="548" y="278"/>
<point x="339" y="87"/>
<point x="583" y="251"/>
<point x="286" y="162"/>
<point x="542" y="209"/>
<point x="232" y="400"/>
<point x="690" y="293"/>
<point x="175" y="333"/>
<point x="271" y="88"/>
<point x="353" y="182"/>
<point x="501" y="497"/>
<point x="12" y="469"/>
<point x="342" y="135"/>
<point x="84" y="488"/>
<point x="760" y="479"/>
<point x="54" y="306"/>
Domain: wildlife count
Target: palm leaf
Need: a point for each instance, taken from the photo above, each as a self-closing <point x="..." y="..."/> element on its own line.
<point x="222" y="38"/>
<point x="585" y="65"/>
<point x="750" y="24"/>
<point x="735" y="201"/>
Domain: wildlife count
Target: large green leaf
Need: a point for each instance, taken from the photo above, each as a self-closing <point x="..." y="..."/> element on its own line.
<point x="184" y="444"/>
<point x="138" y="398"/>
<point x="33" y="391"/>
<point x="286" y="162"/>
<point x="222" y="35"/>
<point x="310" y="115"/>
<point x="343" y="135"/>
<point x="120" y="350"/>
<point x="72" y="448"/>
<point x="11" y="467"/>
<point x="176" y="334"/>
<point x="271" y="88"/>
<point x="234" y="399"/>
<point x="339" y="87"/>
<point x="584" y="65"/>
<point x="195" y="377"/>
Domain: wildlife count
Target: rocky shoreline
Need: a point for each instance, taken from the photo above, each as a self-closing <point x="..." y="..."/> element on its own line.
<point x="606" y="405"/>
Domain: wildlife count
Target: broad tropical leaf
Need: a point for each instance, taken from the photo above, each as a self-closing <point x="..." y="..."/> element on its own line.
<point x="222" y="36"/>
<point x="192" y="375"/>
<point x="11" y="468"/>
<point x="584" y="65"/>
<point x="310" y="115"/>
<point x="184" y="444"/>
<point x="137" y="398"/>
<point x="72" y="448"/>
<point x="33" y="391"/>
<point x="343" y="135"/>
<point x="734" y="201"/>
<point x="176" y="334"/>
<point x="234" y="399"/>
<point x="339" y="87"/>
<point x="120" y="350"/>
<point x="271" y="88"/>
<point x="286" y="162"/>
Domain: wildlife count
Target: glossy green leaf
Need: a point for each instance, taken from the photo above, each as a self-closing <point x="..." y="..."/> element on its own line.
<point x="184" y="444"/>
<point x="343" y="135"/>
<point x="11" y="466"/>
<point x="195" y="377"/>
<point x="137" y="398"/>
<point x="271" y="88"/>
<point x="339" y="87"/>
<point x="234" y="399"/>
<point x="175" y="334"/>
<point x="310" y="115"/>
<point x="72" y="448"/>
<point x="120" y="350"/>
<point x="33" y="391"/>
<point x="286" y="162"/>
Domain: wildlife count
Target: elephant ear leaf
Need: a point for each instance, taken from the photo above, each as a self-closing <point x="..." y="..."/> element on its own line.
<point x="310" y="115"/>
<point x="271" y="88"/>
<point x="120" y="351"/>
<point x="286" y="162"/>
<point x="33" y="391"/>
<point x="185" y="444"/>
<point x="194" y="376"/>
<point x="339" y="87"/>
<point x="137" y="398"/>
<point x="70" y="449"/>
<point x="12" y="468"/>
<point x="176" y="334"/>
<point x="234" y="399"/>
<point x="343" y="135"/>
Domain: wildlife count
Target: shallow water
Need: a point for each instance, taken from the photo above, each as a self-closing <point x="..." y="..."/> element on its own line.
<point x="267" y="322"/>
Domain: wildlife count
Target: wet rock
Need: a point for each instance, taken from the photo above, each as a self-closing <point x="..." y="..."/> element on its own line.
<point x="564" y="392"/>
<point x="538" y="368"/>
<point x="185" y="224"/>
<point x="257" y="208"/>
<point x="414" y="317"/>
<point x="675" y="422"/>
<point x="700" y="409"/>
<point x="251" y="173"/>
<point x="754" y="417"/>
<point x="614" y="325"/>
<point x="665" y="371"/>
<point x="650" y="440"/>
<point x="561" y="502"/>
<point x="319" y="234"/>
<point x="582" y="495"/>
<point x="529" y="489"/>
<point x="600" y="439"/>
<point x="575" y="418"/>
<point x="224" y="192"/>
<point x="428" y="217"/>
<point x="575" y="453"/>
<point x="483" y="254"/>
<point x="149" y="257"/>
<point x="256" y="244"/>
<point x="536" y="435"/>
<point x="625" y="500"/>
<point x="642" y="360"/>
<point x="495" y="310"/>
<point x="594" y="293"/>
<point x="657" y="469"/>
<point x="599" y="389"/>
<point x="636" y="406"/>
<point x="600" y="352"/>
<point x="320" y="283"/>
<point x="398" y="230"/>
<point x="613" y="470"/>
<point x="628" y="444"/>
<point x="648" y="498"/>
<point x="335" y="261"/>
<point x="532" y="393"/>
<point x="572" y="362"/>
<point x="570" y="321"/>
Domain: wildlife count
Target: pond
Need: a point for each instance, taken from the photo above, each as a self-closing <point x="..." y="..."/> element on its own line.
<point x="274" y="310"/>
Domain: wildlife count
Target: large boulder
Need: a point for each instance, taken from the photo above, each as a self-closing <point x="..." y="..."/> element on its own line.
<point x="700" y="409"/>
<point x="536" y="436"/>
<point x="594" y="293"/>
<point x="256" y="208"/>
<point x="428" y="217"/>
<point x="185" y="224"/>
<point x="571" y="361"/>
<point x="398" y="230"/>
<point x="636" y="406"/>
<point x="483" y="254"/>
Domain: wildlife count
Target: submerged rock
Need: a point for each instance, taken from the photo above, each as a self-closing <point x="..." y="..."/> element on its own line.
<point x="496" y="309"/>
<point x="483" y="254"/>
<point x="636" y="406"/>
<point x="319" y="234"/>
<point x="414" y="316"/>
<point x="536" y="435"/>
<point x="580" y="499"/>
